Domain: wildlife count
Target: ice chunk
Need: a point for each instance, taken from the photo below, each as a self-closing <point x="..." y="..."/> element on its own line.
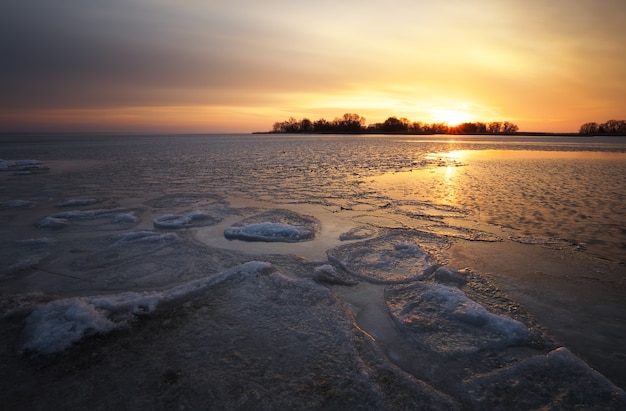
<point x="55" y="326"/>
<point x="144" y="237"/>
<point x="128" y="303"/>
<point x="21" y="166"/>
<point x="358" y="233"/>
<point x="81" y="214"/>
<point x="326" y="273"/>
<point x="558" y="380"/>
<point x="271" y="232"/>
<point x="447" y="276"/>
<point x="176" y="221"/>
<point x="75" y="202"/>
<point x="36" y="242"/>
<point x="16" y="204"/>
<point x="125" y="218"/>
<point x="446" y="321"/>
<point x="53" y="223"/>
<point x="392" y="258"/>
<point x="103" y="218"/>
<point x="274" y="226"/>
<point x="16" y="164"/>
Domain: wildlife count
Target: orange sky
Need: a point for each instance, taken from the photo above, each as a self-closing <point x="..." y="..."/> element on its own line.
<point x="239" y="66"/>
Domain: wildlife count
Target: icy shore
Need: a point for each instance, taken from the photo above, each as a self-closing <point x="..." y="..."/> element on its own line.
<point x="190" y="273"/>
<point x="273" y="331"/>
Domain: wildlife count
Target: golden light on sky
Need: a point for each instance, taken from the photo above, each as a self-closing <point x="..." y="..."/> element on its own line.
<point x="241" y="65"/>
<point x="450" y="117"/>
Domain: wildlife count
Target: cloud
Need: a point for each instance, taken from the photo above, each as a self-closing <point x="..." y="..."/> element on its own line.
<point x="290" y="55"/>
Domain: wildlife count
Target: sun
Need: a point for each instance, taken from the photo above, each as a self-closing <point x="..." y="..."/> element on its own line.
<point x="450" y="117"/>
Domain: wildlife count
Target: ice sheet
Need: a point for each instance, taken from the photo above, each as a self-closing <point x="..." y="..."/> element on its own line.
<point x="367" y="312"/>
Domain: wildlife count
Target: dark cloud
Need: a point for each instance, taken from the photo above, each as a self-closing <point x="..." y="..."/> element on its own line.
<point x="75" y="53"/>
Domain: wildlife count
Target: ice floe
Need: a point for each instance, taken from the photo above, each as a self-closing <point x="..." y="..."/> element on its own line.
<point x="269" y="232"/>
<point x="20" y="165"/>
<point x="186" y="220"/>
<point x="77" y="202"/>
<point x="391" y="258"/>
<point x="358" y="233"/>
<point x="143" y="237"/>
<point x="328" y="274"/>
<point x="106" y="218"/>
<point x="557" y="380"/>
<point x="55" y="326"/>
<point x="446" y="321"/>
<point x="16" y="204"/>
<point x="52" y="223"/>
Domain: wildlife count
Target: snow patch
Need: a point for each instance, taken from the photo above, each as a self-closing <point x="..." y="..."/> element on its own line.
<point x="82" y="214"/>
<point x="176" y="221"/>
<point x="55" y="326"/>
<point x="125" y="218"/>
<point x="447" y="321"/>
<point x="269" y="232"/>
<point x="144" y="237"/>
<point x="6" y="165"/>
<point x="76" y="202"/>
<point x="52" y="223"/>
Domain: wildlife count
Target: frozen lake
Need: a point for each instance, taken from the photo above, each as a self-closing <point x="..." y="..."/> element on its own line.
<point x="312" y="271"/>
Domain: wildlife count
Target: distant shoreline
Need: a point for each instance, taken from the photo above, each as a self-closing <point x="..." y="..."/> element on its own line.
<point x="407" y="133"/>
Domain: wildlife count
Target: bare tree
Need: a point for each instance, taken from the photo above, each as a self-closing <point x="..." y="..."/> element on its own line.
<point x="589" y="128"/>
<point x="509" y="128"/>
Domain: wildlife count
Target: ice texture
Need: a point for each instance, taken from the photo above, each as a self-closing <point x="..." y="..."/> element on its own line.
<point x="392" y="258"/>
<point x="143" y="237"/>
<point x="52" y="223"/>
<point x="557" y="380"/>
<point x="328" y="274"/>
<point x="358" y="233"/>
<point x="55" y="326"/>
<point x="16" y="204"/>
<point x="274" y="226"/>
<point x="76" y="202"/>
<point x="107" y="218"/>
<point x="6" y="165"/>
<point x="269" y="232"/>
<point x="23" y="254"/>
<point x="387" y="321"/>
<point x="177" y="221"/>
<point x="444" y="320"/>
<point x="87" y="214"/>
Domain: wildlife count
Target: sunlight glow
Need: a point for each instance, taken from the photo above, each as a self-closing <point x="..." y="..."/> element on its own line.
<point x="450" y="117"/>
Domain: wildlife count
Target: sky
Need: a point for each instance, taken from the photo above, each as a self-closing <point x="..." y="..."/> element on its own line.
<point x="240" y="65"/>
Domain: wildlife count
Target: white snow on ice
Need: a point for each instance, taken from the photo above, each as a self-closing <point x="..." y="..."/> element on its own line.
<point x="270" y="232"/>
<point x="75" y="202"/>
<point x="52" y="223"/>
<point x="175" y="221"/>
<point x="15" y="164"/>
<point x="55" y="326"/>
<point x="117" y="215"/>
<point x="448" y="322"/>
<point x="81" y="214"/>
<point x="144" y="237"/>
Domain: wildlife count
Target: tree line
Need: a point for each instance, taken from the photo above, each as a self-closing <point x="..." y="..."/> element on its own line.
<point x="611" y="127"/>
<point x="354" y="123"/>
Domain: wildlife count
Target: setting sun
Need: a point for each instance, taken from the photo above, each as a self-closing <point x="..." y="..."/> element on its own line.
<point x="450" y="117"/>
